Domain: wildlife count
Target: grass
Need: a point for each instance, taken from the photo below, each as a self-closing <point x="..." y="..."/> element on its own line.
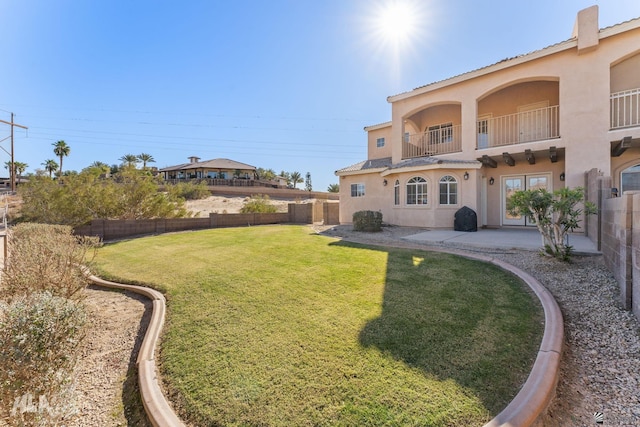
<point x="278" y="326"/>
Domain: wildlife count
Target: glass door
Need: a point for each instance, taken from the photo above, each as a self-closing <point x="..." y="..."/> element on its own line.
<point x="511" y="184"/>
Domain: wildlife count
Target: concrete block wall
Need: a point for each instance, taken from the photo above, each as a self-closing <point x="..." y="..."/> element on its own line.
<point x="298" y="213"/>
<point x="635" y="256"/>
<point x="616" y="245"/>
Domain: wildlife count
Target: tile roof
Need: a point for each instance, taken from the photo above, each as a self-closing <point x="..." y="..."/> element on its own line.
<point x="210" y="164"/>
<point x="368" y="164"/>
<point x="427" y="161"/>
<point x="386" y="164"/>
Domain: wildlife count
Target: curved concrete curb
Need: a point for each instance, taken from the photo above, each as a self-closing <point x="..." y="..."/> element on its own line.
<point x="537" y="392"/>
<point x="156" y="405"/>
<point x="539" y="389"/>
<point x="523" y="411"/>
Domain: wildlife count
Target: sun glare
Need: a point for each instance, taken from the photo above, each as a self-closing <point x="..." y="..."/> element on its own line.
<point x="396" y="21"/>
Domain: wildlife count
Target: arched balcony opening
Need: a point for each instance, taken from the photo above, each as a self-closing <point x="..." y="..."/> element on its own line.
<point x="431" y="131"/>
<point x="520" y="113"/>
<point x="625" y="93"/>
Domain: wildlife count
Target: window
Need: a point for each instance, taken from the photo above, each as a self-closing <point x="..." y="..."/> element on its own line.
<point x="380" y="142"/>
<point x="440" y="133"/>
<point x="406" y="137"/>
<point x="448" y="190"/>
<point x="417" y="191"/>
<point x="630" y="179"/>
<point x="357" y="190"/>
<point x="396" y="193"/>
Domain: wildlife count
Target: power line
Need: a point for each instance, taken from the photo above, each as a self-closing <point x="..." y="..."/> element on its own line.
<point x="12" y="172"/>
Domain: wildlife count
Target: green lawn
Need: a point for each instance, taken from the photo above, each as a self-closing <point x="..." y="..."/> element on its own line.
<point x="277" y="326"/>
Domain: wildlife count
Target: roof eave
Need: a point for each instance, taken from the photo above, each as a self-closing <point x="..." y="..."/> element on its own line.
<point x="562" y="46"/>
<point x="359" y="172"/>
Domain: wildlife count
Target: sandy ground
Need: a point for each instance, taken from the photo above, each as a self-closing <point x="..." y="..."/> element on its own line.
<point x="221" y="204"/>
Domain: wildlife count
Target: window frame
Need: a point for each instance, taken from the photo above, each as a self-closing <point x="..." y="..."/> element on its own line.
<point x="441" y="133"/>
<point x="380" y="142"/>
<point x="417" y="188"/>
<point x="448" y="193"/>
<point x="357" y="189"/>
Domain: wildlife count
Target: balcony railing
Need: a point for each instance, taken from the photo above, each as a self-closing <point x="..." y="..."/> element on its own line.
<point x="439" y="140"/>
<point x="518" y="128"/>
<point x="625" y="108"/>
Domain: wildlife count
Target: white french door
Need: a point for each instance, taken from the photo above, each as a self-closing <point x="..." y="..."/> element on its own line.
<point x="513" y="183"/>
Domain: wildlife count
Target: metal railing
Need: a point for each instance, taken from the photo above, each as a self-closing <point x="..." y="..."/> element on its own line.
<point x="518" y="128"/>
<point x="445" y="139"/>
<point x="625" y="108"/>
<point x="239" y="182"/>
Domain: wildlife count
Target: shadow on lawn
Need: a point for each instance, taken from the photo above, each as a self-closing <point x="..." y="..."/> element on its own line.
<point x="434" y="321"/>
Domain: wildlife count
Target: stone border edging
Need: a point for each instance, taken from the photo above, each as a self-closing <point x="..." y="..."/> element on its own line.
<point x="539" y="389"/>
<point x="156" y="406"/>
<point x="523" y="411"/>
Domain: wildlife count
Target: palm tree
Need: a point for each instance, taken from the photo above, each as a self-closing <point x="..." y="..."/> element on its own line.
<point x="145" y="158"/>
<point x="50" y="166"/>
<point x="98" y="168"/>
<point x="333" y="188"/>
<point x="61" y="149"/>
<point x="17" y="169"/>
<point x="20" y="167"/>
<point x="296" y="178"/>
<point x="130" y="160"/>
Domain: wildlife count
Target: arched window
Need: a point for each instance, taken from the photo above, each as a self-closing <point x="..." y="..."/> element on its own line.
<point x="630" y="179"/>
<point x="448" y="190"/>
<point x="417" y="191"/>
<point x="396" y="193"/>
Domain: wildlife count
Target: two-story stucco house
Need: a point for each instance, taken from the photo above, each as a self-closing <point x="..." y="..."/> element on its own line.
<point x="539" y="120"/>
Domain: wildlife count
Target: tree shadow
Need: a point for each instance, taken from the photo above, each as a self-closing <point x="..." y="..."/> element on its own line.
<point x="456" y="319"/>
<point x="133" y="407"/>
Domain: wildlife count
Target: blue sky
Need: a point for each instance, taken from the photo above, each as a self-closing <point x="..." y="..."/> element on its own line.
<point x="283" y="84"/>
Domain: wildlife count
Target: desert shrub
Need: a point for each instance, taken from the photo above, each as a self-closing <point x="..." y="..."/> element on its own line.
<point x="39" y="337"/>
<point x="130" y="194"/>
<point x="45" y="257"/>
<point x="190" y="190"/>
<point x="258" y="204"/>
<point x="367" y="221"/>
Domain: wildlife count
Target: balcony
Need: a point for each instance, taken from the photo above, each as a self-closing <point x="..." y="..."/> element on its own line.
<point x="441" y="139"/>
<point x="525" y="126"/>
<point x="625" y="108"/>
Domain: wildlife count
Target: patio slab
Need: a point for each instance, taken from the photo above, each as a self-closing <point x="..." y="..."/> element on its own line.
<point x="501" y="238"/>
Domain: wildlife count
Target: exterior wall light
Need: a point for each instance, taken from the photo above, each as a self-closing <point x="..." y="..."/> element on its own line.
<point x="466" y="176"/>
<point x="562" y="176"/>
<point x="384" y="182"/>
<point x="491" y="181"/>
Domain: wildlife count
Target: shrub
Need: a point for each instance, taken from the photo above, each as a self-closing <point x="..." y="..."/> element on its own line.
<point x="46" y="258"/>
<point x="555" y="214"/>
<point x="258" y="204"/>
<point x="190" y="190"/>
<point x="367" y="221"/>
<point x="39" y="337"/>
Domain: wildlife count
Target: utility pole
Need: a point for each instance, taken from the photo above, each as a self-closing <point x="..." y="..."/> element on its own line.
<point x="12" y="169"/>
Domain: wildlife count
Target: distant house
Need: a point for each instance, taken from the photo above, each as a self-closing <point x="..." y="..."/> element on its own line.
<point x="216" y="169"/>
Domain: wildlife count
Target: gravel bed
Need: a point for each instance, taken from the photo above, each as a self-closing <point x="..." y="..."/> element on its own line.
<point x="600" y="366"/>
